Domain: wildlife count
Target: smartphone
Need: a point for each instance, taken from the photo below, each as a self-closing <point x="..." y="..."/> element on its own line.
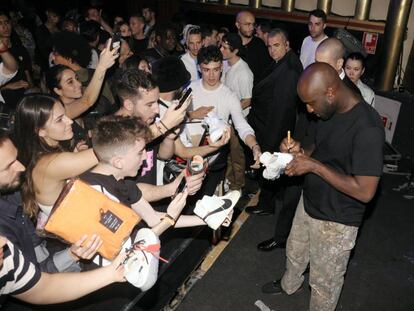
<point x="184" y="98"/>
<point x="116" y="41"/>
<point x="180" y="187"/>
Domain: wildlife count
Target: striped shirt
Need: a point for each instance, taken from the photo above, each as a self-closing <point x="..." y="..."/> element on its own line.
<point x="17" y="275"/>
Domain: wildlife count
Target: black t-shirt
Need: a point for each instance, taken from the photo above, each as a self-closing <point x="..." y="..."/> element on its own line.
<point x="126" y="191"/>
<point x="257" y="57"/>
<point x="138" y="46"/>
<point x="350" y="143"/>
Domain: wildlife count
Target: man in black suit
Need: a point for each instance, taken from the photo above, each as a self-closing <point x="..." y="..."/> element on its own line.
<point x="274" y="106"/>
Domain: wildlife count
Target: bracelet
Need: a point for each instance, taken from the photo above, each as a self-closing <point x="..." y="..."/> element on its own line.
<point x="170" y="219"/>
<point x="166" y="128"/>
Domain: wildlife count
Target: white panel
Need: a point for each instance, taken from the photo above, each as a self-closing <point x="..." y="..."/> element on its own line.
<point x="272" y="3"/>
<point x="245" y="2"/>
<point x="379" y="9"/>
<point x="306" y="5"/>
<point x="389" y="110"/>
<point x="344" y="8"/>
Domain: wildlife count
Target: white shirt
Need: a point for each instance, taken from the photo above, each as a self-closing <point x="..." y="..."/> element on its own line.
<point x="94" y="59"/>
<point x="4" y="78"/>
<point x="226" y="105"/>
<point x="191" y="65"/>
<point x="239" y="79"/>
<point x="367" y="93"/>
<point x="342" y="74"/>
<point x="308" y="50"/>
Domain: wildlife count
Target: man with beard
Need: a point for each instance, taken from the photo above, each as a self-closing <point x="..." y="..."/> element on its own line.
<point x="316" y="26"/>
<point x="139" y="95"/>
<point x="342" y="164"/>
<point x="256" y="56"/>
<point x="149" y="14"/>
<point x="18" y="228"/>
<point x="21" y="248"/>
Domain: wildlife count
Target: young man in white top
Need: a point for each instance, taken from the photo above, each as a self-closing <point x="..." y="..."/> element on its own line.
<point x="239" y="79"/>
<point x="193" y="43"/>
<point x="209" y="91"/>
<point x="172" y="78"/>
<point x="316" y="26"/>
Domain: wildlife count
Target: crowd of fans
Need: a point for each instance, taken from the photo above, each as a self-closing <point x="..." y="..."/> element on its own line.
<point x="83" y="96"/>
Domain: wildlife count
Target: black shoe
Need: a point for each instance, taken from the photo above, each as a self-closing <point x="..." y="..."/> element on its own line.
<point x="270" y="244"/>
<point x="252" y="174"/>
<point x="254" y="210"/>
<point x="272" y="288"/>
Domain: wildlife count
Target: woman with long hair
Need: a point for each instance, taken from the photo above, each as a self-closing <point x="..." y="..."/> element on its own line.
<point x="63" y="83"/>
<point x="40" y="128"/>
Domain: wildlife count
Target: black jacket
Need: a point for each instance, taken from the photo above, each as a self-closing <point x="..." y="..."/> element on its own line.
<point x="274" y="102"/>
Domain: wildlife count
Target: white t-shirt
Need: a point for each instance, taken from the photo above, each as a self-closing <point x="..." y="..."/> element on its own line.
<point x="308" y="49"/>
<point x="4" y="78"/>
<point x="367" y="93"/>
<point x="239" y="79"/>
<point x="94" y="59"/>
<point x="191" y="65"/>
<point x="226" y="105"/>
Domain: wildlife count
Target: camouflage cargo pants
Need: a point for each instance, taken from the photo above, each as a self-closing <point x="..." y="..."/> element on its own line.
<point x="326" y="246"/>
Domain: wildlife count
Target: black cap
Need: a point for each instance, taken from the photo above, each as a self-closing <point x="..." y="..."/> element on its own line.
<point x="234" y="40"/>
<point x="170" y="74"/>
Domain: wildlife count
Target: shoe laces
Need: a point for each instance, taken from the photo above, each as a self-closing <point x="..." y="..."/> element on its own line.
<point x="140" y="246"/>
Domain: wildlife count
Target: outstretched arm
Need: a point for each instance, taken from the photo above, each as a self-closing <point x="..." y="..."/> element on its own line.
<point x="92" y="91"/>
<point x="62" y="287"/>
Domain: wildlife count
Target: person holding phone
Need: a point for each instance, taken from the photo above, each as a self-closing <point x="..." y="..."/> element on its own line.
<point x="172" y="77"/>
<point x="209" y="91"/>
<point x="63" y="83"/>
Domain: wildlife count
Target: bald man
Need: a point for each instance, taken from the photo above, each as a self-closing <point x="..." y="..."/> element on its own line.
<point x="332" y="52"/>
<point x="256" y="55"/>
<point x="342" y="165"/>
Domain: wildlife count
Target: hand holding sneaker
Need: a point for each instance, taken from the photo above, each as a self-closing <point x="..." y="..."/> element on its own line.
<point x="275" y="164"/>
<point x="116" y="270"/>
<point x="216" y="210"/>
<point x="141" y="260"/>
<point x="216" y="126"/>
<point x="225" y="138"/>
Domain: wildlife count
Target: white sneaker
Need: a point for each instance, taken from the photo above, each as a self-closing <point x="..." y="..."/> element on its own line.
<point x="275" y="164"/>
<point x="216" y="126"/>
<point x="141" y="263"/>
<point x="214" y="210"/>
